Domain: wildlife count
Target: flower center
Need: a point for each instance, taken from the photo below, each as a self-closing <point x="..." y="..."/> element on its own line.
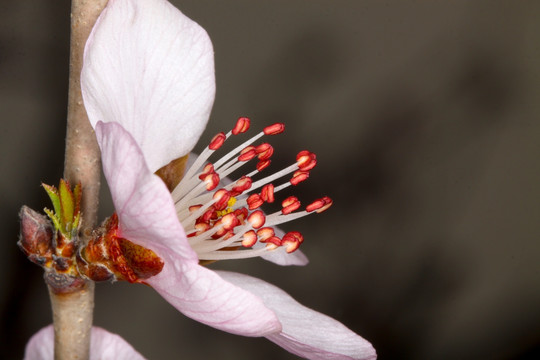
<point x="222" y="218"/>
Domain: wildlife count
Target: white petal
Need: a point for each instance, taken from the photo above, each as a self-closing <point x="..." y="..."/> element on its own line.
<point x="142" y="201"/>
<point x="148" y="217"/>
<point x="306" y="332"/>
<point x="280" y="257"/>
<point x="150" y="68"/>
<point x="103" y="346"/>
<point x="202" y="295"/>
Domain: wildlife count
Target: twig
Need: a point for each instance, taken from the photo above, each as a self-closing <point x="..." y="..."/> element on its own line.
<point x="73" y="311"/>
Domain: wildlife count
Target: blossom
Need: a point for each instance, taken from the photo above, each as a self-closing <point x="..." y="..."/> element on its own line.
<point x="148" y="87"/>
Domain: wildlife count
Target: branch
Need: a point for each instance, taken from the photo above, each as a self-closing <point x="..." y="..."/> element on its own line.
<point x="73" y="310"/>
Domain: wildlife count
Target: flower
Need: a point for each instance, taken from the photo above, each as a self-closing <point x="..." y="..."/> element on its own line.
<point x="148" y="87"/>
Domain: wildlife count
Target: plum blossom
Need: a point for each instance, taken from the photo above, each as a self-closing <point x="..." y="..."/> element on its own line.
<point x="148" y="87"/>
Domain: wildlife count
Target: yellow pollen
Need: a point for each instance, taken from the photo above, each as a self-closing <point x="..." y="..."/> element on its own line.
<point x="229" y="209"/>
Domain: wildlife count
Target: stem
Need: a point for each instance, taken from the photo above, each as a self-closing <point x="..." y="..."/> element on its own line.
<point x="72" y="318"/>
<point x="82" y="162"/>
<point x="73" y="310"/>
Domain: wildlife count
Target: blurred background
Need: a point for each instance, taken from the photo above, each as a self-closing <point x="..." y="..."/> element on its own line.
<point x="425" y="120"/>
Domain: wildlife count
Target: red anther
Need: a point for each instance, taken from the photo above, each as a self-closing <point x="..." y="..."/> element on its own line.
<point x="254" y="201"/>
<point x="274" y="129"/>
<point x="200" y="228"/>
<point x="296" y="235"/>
<point x="264" y="151"/>
<point x="221" y="198"/>
<point x="247" y="153"/>
<point x="208" y="215"/>
<point x="217" y="141"/>
<point x="249" y="239"/>
<point x="242" y="125"/>
<point x="265" y="233"/>
<point x="261" y="165"/>
<point x="298" y="177"/>
<point x="320" y="205"/>
<point x="241" y="214"/>
<point x="274" y="240"/>
<point x="256" y="219"/>
<point x="208" y="169"/>
<point x="229" y="221"/>
<point x="194" y="208"/>
<point x="267" y="193"/>
<point x="241" y="185"/>
<point x="247" y="149"/>
<point x="221" y="232"/>
<point x="306" y="160"/>
<point x="212" y="181"/>
<point x="292" y="241"/>
<point x="290" y="204"/>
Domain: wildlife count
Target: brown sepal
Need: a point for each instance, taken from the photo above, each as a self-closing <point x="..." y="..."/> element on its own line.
<point x="172" y="173"/>
<point x="110" y="257"/>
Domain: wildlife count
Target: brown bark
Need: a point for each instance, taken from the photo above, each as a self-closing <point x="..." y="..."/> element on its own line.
<point x="73" y="310"/>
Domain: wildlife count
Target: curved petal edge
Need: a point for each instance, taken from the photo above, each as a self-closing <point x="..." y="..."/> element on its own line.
<point x="202" y="295"/>
<point x="305" y="332"/>
<point x="150" y="68"/>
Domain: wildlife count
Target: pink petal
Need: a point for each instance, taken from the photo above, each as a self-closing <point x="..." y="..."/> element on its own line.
<point x="306" y="332"/>
<point x="103" y="346"/>
<point x="202" y="295"/>
<point x="147" y="217"/>
<point x="150" y="68"/>
<point x="144" y="205"/>
<point x="281" y="257"/>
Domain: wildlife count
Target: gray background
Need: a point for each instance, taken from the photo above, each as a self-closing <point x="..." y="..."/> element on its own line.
<point x="424" y="117"/>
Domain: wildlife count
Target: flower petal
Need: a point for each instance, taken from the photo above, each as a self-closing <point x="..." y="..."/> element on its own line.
<point x="144" y="205"/>
<point x="103" y="346"/>
<point x="280" y="257"/>
<point x="150" y="68"/>
<point x="202" y="295"/>
<point x="306" y="332"/>
<point x="148" y="218"/>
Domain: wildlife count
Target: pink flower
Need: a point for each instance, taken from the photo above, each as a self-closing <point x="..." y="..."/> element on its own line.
<point x="148" y="87"/>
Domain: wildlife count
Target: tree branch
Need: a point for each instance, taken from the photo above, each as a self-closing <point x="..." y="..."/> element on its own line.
<point x="73" y="310"/>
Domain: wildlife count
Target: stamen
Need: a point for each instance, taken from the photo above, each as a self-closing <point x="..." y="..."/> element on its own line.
<point x="249" y="239"/>
<point x="306" y="160"/>
<point x="256" y="219"/>
<point x="292" y="241"/>
<point x="274" y="129"/>
<point x="264" y="151"/>
<point x="242" y="125"/>
<point x="320" y="205"/>
<point x="226" y="221"/>
<point x="299" y="176"/>
<point x="290" y="204"/>
<point x="217" y="141"/>
<point x="267" y="193"/>
<point x="254" y="201"/>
